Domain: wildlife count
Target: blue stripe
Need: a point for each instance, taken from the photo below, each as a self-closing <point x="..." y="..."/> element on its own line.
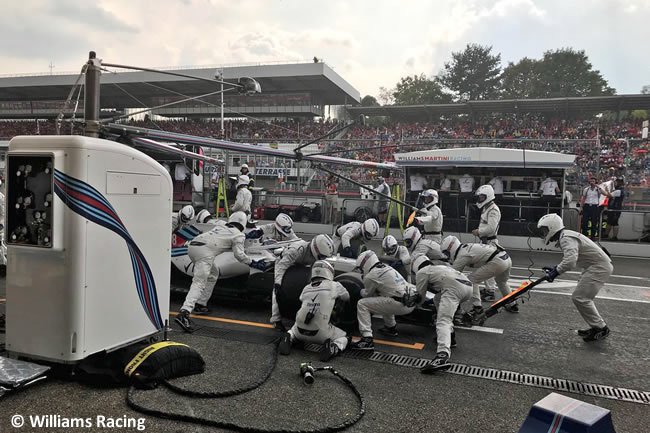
<point x="110" y="222"/>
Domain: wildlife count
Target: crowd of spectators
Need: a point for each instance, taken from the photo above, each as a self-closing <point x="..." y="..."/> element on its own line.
<point x="614" y="155"/>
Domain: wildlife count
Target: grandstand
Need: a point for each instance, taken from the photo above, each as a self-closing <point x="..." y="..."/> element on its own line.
<point x="288" y="90"/>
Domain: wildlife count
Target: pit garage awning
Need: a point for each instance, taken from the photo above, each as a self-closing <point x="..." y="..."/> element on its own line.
<point x="485" y="157"/>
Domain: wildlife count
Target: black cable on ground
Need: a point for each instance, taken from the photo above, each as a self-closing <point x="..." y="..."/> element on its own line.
<point x="236" y="427"/>
<point x="531" y="273"/>
<point x="229" y="393"/>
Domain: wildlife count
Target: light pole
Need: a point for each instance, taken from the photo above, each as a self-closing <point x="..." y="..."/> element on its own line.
<point x="223" y="136"/>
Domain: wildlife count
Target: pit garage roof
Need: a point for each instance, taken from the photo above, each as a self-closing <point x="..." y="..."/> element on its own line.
<point x="316" y="78"/>
<point x="563" y="105"/>
<point x="484" y="157"/>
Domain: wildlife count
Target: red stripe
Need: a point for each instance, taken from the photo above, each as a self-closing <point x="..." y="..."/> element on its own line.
<point x="89" y="200"/>
<point x="145" y="287"/>
<point x="563" y="413"/>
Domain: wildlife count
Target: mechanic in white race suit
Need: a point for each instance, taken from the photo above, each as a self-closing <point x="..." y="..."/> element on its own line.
<point x="344" y="234"/>
<point x="487" y="229"/>
<point x="313" y="318"/>
<point x="418" y="246"/>
<point x="299" y="253"/>
<point x="244" y="197"/>
<point x="280" y="230"/>
<point x="579" y="251"/>
<point x="385" y="292"/>
<point x="486" y="261"/>
<point x="183" y="218"/>
<point x="397" y="255"/>
<point x="451" y="288"/>
<point x="431" y="219"/>
<point x="202" y="250"/>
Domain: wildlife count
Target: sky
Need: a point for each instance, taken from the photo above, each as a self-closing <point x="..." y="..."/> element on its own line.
<point x="369" y="43"/>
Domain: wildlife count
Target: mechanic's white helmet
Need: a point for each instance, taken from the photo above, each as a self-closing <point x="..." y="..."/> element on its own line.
<point x="203" y="216"/>
<point x="370" y="228"/>
<point x="284" y="224"/>
<point x="243" y="166"/>
<point x="366" y="261"/>
<point x="322" y="247"/>
<point x="485" y="194"/>
<point x="550" y="225"/>
<point x="411" y="237"/>
<point x="430" y="197"/>
<point x="186" y="214"/>
<point x="322" y="269"/>
<point x="238" y="218"/>
<point x="380" y="179"/>
<point x="242" y="179"/>
<point x="449" y="246"/>
<point x="419" y="262"/>
<point x="389" y="245"/>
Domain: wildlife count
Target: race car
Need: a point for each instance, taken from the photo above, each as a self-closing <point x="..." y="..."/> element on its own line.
<point x="237" y="280"/>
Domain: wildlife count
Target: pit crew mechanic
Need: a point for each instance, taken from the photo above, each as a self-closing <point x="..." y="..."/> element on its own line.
<point x="344" y="235"/>
<point x="385" y="292"/>
<point x="579" y="251"/>
<point x="202" y="250"/>
<point x="300" y="253"/>
<point x="313" y="325"/>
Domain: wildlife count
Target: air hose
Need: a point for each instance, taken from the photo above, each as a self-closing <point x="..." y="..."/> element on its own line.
<point x="237" y="391"/>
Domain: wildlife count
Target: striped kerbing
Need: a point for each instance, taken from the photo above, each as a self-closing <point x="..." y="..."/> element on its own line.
<point x="86" y="201"/>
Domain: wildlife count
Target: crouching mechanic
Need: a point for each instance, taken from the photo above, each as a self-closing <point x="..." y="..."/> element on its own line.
<point x="487" y="261"/>
<point x="344" y="235"/>
<point x="299" y="253"/>
<point x="183" y="218"/>
<point x="431" y="219"/>
<point x="397" y="254"/>
<point x="419" y="246"/>
<point x="385" y="292"/>
<point x="280" y="230"/>
<point x="202" y="250"/>
<point x="579" y="251"/>
<point x="451" y="289"/>
<point x="313" y="319"/>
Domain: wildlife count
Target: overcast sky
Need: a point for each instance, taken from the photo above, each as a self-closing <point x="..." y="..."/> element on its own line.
<point x="369" y="43"/>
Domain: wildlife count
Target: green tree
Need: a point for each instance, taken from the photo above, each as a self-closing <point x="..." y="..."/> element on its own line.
<point x="646" y="90"/>
<point x="522" y="79"/>
<point x="369" y="101"/>
<point x="566" y="72"/>
<point x="417" y="90"/>
<point x="474" y="73"/>
<point x="386" y="96"/>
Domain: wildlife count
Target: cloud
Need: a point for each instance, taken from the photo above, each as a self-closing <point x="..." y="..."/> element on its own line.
<point x="94" y="17"/>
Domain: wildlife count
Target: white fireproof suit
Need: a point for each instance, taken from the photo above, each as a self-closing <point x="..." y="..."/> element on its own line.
<point x="432" y="221"/>
<point x="270" y="231"/>
<point x="451" y="289"/>
<point x="297" y="254"/>
<point x="580" y="251"/>
<point x="202" y="250"/>
<point x="488" y="229"/>
<point x="318" y="299"/>
<point x="381" y="286"/>
<point x="344" y="234"/>
<point x="429" y="248"/>
<point x="243" y="201"/>
<point x="487" y="262"/>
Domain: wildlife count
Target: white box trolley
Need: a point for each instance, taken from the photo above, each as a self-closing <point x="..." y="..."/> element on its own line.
<point x="88" y="233"/>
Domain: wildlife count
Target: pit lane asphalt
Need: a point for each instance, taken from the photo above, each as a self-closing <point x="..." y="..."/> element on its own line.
<point x="539" y="340"/>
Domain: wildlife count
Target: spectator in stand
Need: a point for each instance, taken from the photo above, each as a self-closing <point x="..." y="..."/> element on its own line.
<point x="590" y="203"/>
